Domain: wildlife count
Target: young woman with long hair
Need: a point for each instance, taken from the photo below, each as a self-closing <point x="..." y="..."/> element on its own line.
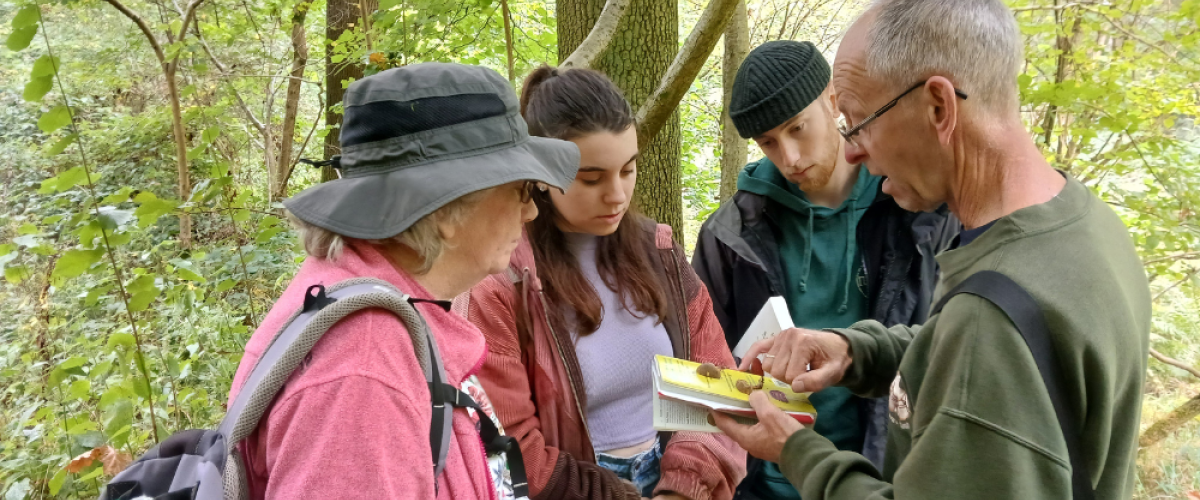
<point x="591" y="295"/>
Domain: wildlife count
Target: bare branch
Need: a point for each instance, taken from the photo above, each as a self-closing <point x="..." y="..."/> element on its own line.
<point x="258" y="124"/>
<point x="292" y="101"/>
<point x="1064" y="6"/>
<point x="1174" y="362"/>
<point x="1127" y="33"/>
<point x="141" y="24"/>
<point x="598" y="39"/>
<point x="272" y="77"/>
<point x="687" y="64"/>
<point x="1182" y="256"/>
<point x="1191" y="272"/>
<point x="321" y="105"/>
<point x="188" y="16"/>
<point x="508" y="40"/>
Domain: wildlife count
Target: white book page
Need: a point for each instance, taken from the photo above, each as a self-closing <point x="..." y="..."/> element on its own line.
<point x="671" y="415"/>
<point x="772" y="319"/>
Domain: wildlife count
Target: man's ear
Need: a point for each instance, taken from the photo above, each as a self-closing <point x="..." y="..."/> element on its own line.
<point x="832" y="99"/>
<point x="943" y="109"/>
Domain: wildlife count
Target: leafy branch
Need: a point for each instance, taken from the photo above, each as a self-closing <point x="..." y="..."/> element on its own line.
<point x="109" y="249"/>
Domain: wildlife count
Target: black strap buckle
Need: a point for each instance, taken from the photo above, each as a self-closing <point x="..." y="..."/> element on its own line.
<point x="316" y="301"/>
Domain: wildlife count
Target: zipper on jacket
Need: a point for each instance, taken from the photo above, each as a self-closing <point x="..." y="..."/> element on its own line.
<point x="574" y="384"/>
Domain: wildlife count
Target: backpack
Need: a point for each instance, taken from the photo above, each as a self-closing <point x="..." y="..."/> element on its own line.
<point x="1026" y="314"/>
<point x="203" y="464"/>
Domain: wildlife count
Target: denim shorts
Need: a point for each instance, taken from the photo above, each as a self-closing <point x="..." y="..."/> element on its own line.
<point x="642" y="469"/>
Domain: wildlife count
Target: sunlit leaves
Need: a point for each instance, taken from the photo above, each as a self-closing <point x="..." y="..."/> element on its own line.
<point x="75" y="262"/>
<point x="151" y="207"/>
<point x="41" y="78"/>
<point x="112" y="218"/>
<point x="60" y="145"/>
<point x="58" y="117"/>
<point x="66" y="180"/>
<point x="16" y="274"/>
<point x="142" y="291"/>
<point x="37" y="88"/>
<point x="27" y="16"/>
<point x="118" y="417"/>
<point x="24" y="25"/>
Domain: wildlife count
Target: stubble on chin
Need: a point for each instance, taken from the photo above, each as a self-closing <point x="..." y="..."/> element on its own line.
<point x="817" y="179"/>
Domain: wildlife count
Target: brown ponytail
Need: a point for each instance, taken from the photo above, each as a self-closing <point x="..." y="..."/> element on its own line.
<point x="565" y="105"/>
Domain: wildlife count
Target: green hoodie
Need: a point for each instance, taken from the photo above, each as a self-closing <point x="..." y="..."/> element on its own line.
<point x="970" y="416"/>
<point x="825" y="288"/>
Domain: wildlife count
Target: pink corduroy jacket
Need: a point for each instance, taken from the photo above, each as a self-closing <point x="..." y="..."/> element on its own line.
<point x="353" y="421"/>
<point x="534" y="380"/>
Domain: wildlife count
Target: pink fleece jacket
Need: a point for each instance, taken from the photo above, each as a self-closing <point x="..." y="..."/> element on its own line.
<point x="353" y="421"/>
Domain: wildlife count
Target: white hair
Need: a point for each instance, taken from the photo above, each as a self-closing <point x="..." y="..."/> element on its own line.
<point x="974" y="43"/>
<point x="423" y="236"/>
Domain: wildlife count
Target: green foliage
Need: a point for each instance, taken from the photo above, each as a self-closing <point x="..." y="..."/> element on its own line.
<point x="465" y="31"/>
<point x="24" y="27"/>
<point x="56" y="118"/>
<point x="117" y="336"/>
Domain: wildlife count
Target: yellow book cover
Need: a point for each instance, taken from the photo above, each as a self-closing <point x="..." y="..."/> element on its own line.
<point x="681" y="373"/>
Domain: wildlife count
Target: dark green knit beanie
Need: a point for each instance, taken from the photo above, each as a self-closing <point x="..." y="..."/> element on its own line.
<point x="776" y="81"/>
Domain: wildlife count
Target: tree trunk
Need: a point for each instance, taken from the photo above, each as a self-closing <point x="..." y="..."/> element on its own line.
<point x="508" y="40"/>
<point x="181" y="162"/>
<point x="340" y="16"/>
<point x="1064" y="43"/>
<point x="1174" y="421"/>
<point x="665" y="99"/>
<point x="733" y="147"/>
<point x="637" y="58"/>
<point x="292" y="104"/>
<point x="169" y="68"/>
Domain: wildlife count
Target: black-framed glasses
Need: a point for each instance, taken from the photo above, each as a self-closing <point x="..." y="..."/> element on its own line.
<point x="527" y="190"/>
<point x="849" y="134"/>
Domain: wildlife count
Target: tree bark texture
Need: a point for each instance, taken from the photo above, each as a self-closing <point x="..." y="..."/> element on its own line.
<point x="181" y="163"/>
<point x="292" y="103"/>
<point x="1174" y="421"/>
<point x="596" y="42"/>
<point x="636" y="59"/>
<point x="683" y="71"/>
<point x="340" y="16"/>
<point x="733" y="147"/>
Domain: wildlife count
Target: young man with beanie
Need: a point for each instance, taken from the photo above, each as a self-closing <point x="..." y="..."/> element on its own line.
<point x="807" y="225"/>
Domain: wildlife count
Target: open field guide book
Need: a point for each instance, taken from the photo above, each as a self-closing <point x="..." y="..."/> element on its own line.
<point x="683" y="397"/>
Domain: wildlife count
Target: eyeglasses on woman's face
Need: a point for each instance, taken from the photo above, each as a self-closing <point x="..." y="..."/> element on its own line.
<point x="849" y="133"/>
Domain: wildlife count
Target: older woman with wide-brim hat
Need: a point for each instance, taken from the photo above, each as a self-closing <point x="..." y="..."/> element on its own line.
<point x="437" y="167"/>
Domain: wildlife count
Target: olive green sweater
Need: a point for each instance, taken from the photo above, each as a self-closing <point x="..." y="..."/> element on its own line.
<point x="970" y="417"/>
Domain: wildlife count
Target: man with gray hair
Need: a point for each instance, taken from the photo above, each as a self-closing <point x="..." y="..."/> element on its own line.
<point x="1026" y="380"/>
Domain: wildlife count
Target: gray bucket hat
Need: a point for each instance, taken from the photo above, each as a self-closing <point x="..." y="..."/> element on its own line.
<point x="418" y="137"/>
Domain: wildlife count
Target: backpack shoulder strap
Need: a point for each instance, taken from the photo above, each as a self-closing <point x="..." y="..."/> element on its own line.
<point x="322" y="309"/>
<point x="1026" y="314"/>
